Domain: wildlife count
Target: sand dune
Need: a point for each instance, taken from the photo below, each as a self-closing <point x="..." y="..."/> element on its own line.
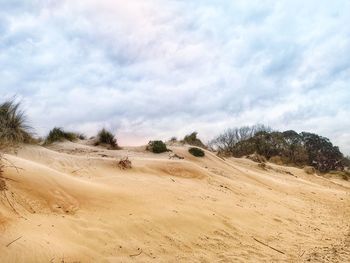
<point x="71" y="203"/>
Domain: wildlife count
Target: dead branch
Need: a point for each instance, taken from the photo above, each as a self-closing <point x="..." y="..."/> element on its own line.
<point x="138" y="254"/>
<point x="279" y="251"/>
<point x="13" y="241"/>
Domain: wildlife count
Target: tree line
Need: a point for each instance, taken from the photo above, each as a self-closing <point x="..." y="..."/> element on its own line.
<point x="293" y="148"/>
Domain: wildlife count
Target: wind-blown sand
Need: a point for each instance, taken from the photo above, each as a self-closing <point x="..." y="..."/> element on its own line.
<point x="71" y="203"/>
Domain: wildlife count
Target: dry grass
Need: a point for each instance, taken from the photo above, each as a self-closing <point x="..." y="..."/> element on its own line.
<point x="3" y="186"/>
<point x="13" y="125"/>
<point x="257" y="158"/>
<point x="125" y="163"/>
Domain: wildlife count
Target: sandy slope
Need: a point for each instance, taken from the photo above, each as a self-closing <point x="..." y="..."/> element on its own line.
<point x="71" y="203"/>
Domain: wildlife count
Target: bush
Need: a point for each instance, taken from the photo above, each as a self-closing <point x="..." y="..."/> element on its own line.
<point x="124" y="163"/>
<point x="106" y="137"/>
<point x="156" y="147"/>
<point x="196" y="152"/>
<point x="192" y="139"/>
<point x="59" y="135"/>
<point x="13" y="125"/>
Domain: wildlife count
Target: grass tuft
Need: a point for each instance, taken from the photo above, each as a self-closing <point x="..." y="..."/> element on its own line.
<point x="106" y="137"/>
<point x="14" y="128"/>
<point x="59" y="135"/>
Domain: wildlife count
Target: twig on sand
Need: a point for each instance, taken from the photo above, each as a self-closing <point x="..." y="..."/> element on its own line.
<point x="279" y="251"/>
<point x="138" y="254"/>
<point x="76" y="170"/>
<point x="13" y="241"/>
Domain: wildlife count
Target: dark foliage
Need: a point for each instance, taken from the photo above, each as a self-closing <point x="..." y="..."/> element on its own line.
<point x="156" y="147"/>
<point x="292" y="148"/>
<point x="192" y="139"/>
<point x="196" y="152"/>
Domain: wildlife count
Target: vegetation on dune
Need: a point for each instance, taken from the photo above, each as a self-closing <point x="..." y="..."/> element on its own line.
<point x="105" y="137"/>
<point x="13" y="131"/>
<point x="290" y="147"/>
<point x="156" y="147"/>
<point x="196" y="152"/>
<point x="124" y="163"/>
<point x="192" y="139"/>
<point x="59" y="135"/>
<point x="14" y="128"/>
<point x="226" y="142"/>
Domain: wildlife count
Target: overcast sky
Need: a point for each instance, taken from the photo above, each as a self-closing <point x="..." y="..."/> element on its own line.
<point x="152" y="69"/>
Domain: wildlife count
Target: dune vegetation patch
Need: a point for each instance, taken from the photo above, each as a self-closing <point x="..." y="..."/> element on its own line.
<point x="59" y="135"/>
<point x="14" y="128"/>
<point x="196" y="152"/>
<point x="107" y="138"/>
<point x="192" y="139"/>
<point x="156" y="147"/>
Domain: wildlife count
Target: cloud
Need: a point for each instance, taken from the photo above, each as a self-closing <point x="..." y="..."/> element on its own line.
<point x="163" y="68"/>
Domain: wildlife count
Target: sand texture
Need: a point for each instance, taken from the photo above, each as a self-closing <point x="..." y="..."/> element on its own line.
<point x="71" y="203"/>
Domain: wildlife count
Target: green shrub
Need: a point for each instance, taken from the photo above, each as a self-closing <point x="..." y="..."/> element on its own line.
<point x="13" y="125"/>
<point x="192" y="139"/>
<point x="157" y="147"/>
<point x="196" y="152"/>
<point x="59" y="135"/>
<point x="106" y="137"/>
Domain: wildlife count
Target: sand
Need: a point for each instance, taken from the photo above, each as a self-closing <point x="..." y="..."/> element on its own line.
<point x="71" y="203"/>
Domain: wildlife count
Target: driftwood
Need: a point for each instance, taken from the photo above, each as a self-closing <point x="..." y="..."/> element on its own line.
<point x="279" y="251"/>
<point x="13" y="241"/>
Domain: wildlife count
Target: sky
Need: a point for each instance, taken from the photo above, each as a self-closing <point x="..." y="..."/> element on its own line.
<point x="154" y="69"/>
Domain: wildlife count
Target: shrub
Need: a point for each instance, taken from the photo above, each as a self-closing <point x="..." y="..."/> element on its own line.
<point x="156" y="147"/>
<point x="124" y="163"/>
<point x="192" y="139"/>
<point x="196" y="152"/>
<point x="293" y="148"/>
<point x="106" y="137"/>
<point x="13" y="125"/>
<point x="59" y="135"/>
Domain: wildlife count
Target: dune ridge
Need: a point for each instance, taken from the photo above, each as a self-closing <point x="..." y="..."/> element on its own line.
<point x="71" y="203"/>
